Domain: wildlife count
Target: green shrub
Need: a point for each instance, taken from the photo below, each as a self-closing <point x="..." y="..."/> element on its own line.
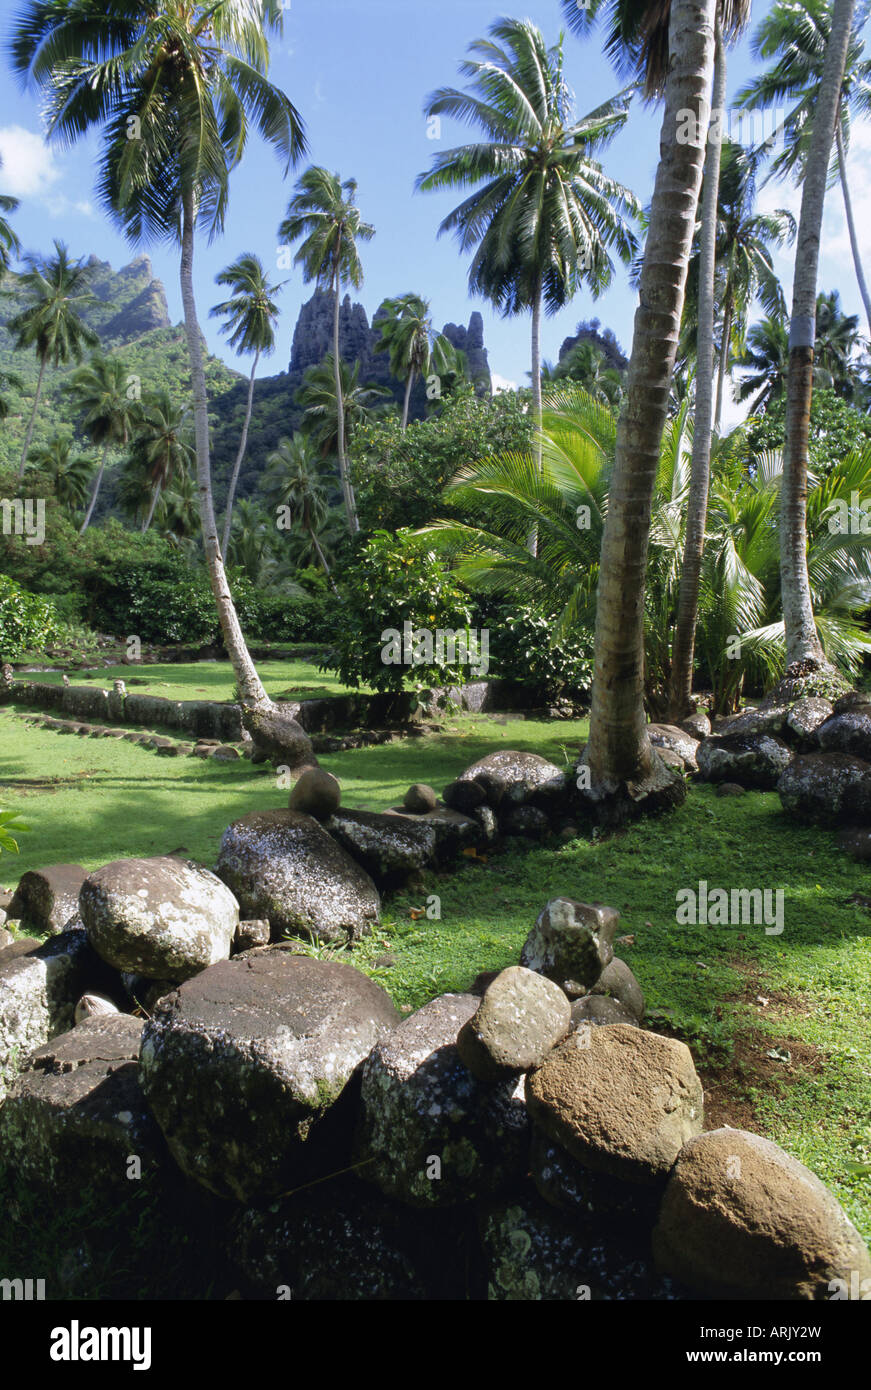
<point x="27" y="622"/>
<point x="278" y="618"/>
<point x="522" y="648"/>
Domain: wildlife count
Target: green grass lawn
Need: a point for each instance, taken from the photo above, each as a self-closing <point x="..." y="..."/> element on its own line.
<point x="92" y="800"/>
<point x="206" y="680"/>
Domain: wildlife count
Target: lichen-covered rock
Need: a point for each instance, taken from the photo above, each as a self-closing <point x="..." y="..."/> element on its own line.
<point x="534" y="1254"/>
<point x="244" y="1067"/>
<point x="742" y="1219"/>
<point x="820" y="788"/>
<point x="752" y="760"/>
<point x="571" y="943"/>
<point x="520" y="1018"/>
<point x="430" y="1133"/>
<point x="766" y="719"/>
<point x="529" y="821"/>
<point x="420" y="798"/>
<point x="75" y="1114"/>
<point x="618" y="982"/>
<point x="697" y="724"/>
<point x="619" y="1100"/>
<point x="38" y="995"/>
<point x="284" y="866"/>
<point x="486" y="818"/>
<point x="454" y="831"/>
<point x="597" y="1011"/>
<point x="675" y="740"/>
<point x="251" y="934"/>
<point x="805" y="718"/>
<point x="278" y="737"/>
<point x="508" y="778"/>
<point x="572" y="1187"/>
<point x="389" y="848"/>
<point x="46" y="899"/>
<point x="847" y="732"/>
<point x="316" y="792"/>
<point x="807" y="677"/>
<point x="165" y="918"/>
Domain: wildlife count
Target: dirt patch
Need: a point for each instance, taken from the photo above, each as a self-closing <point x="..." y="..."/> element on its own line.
<point x="779" y="1002"/>
<point x="729" y="1087"/>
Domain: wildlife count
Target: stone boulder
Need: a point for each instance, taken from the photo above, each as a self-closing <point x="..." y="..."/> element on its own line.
<point x="75" y="1114"/>
<point x="39" y="990"/>
<point x="673" y="739"/>
<point x="251" y="934"/>
<point x="520" y="1018"/>
<point x="164" y="918"/>
<point x="46" y="899"/>
<point x="855" y="840"/>
<point x="389" y="848"/>
<point x="317" y="793"/>
<point x="278" y="738"/>
<point x="571" y="943"/>
<point x="419" y="799"/>
<point x="742" y="1219"/>
<point x="805" y="718"/>
<point x="430" y="1133"/>
<point x="507" y="778"/>
<point x="454" y="832"/>
<point x="753" y="760"/>
<point x="244" y="1067"/>
<point x="285" y="867"/>
<point x="847" y="732"/>
<point x="597" y="1010"/>
<point x="822" y="788"/>
<point x="618" y="983"/>
<point x="94" y="1005"/>
<point x="764" y="719"/>
<point x="697" y="724"/>
<point x="619" y="1100"/>
<point x="529" y="821"/>
<point x="588" y="1196"/>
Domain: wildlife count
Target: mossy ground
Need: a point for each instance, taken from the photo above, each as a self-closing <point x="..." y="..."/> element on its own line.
<point x="734" y="994"/>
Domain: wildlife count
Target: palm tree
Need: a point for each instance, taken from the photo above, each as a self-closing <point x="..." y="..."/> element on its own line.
<point x="586" y="364"/>
<point x="802" y="640"/>
<point x="407" y="335"/>
<point x="623" y="774"/>
<point x="69" y="475"/>
<point x="175" y="515"/>
<point x="187" y="80"/>
<point x="543" y="215"/>
<point x="317" y="396"/>
<point x="250" y="317"/>
<point x="796" y="37"/>
<point x="9" y="244"/>
<point x="55" y="291"/>
<point x="102" y="394"/>
<point x="836" y="345"/>
<point x="766" y="356"/>
<point x="324" y="215"/>
<point x="163" y="449"/>
<point x="294" y="479"/>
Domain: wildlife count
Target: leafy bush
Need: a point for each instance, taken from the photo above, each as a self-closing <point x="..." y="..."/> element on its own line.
<point x="27" y="622"/>
<point x="836" y="429"/>
<point x="278" y="618"/>
<point x="397" y="580"/>
<point x="522" y="648"/>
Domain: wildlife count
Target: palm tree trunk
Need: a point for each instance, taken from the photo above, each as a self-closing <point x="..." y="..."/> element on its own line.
<point x="251" y="691"/>
<point x="154" y="500"/>
<point x="322" y="557"/>
<point x="536" y="393"/>
<point x="683" y="646"/>
<point x="725" y="344"/>
<point x="228" y="517"/>
<point x="802" y="642"/>
<point x="97" y="481"/>
<point x="407" y="401"/>
<point x="347" y="489"/>
<point x="623" y="772"/>
<point x="851" y="226"/>
<point x="32" y="421"/>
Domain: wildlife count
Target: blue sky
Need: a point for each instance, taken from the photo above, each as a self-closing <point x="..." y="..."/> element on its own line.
<point x="359" y="73"/>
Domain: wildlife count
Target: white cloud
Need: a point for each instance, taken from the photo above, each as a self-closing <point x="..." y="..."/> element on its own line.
<point x="501" y="383"/>
<point x="29" y="168"/>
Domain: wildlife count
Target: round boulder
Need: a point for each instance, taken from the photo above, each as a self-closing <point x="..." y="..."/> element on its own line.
<point x="754" y="760"/>
<point x="243" y="1063"/>
<point x="508" y="778"/>
<point x="848" y="732"/>
<point x="619" y="1100"/>
<point x="420" y="798"/>
<point x="821" y="787"/>
<point x="316" y="792"/>
<point x="571" y="943"/>
<point x="520" y="1018"/>
<point x="164" y="918"/>
<point x="598" y="1011"/>
<point x="742" y="1219"/>
<point x="672" y="739"/>
<point x="805" y="717"/>
<point x="618" y="983"/>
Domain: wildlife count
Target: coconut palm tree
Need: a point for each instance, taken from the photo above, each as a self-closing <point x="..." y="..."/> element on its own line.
<point x="317" y="396"/>
<point x="588" y="366"/>
<point x="9" y="244"/>
<point x="795" y="37"/>
<point x="55" y="292"/>
<point x="543" y="215"/>
<point x="407" y="335"/>
<point x="103" y="396"/>
<point x="836" y="346"/>
<point x="163" y="450"/>
<point x="69" y="474"/>
<point x="175" y="515"/>
<point x="250" y="316"/>
<point x="174" y="86"/>
<point x="323" y="215"/>
<point x="622" y="773"/>
<point x="294" y="479"/>
<point x="802" y="640"/>
<point x="766" y="357"/>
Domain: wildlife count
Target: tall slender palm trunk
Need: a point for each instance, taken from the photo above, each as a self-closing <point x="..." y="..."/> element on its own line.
<point x="683" y="646"/>
<point x="851" y="224"/>
<point x="240" y="454"/>
<point x="725" y="341"/>
<point x="32" y="421"/>
<point x="409" y="381"/>
<point x="155" y="497"/>
<point x="251" y="691"/>
<point x="322" y="557"/>
<point x="536" y="395"/>
<point x="97" y="481"/>
<point x="347" y="489"/>
<point x="622" y="768"/>
<point x="802" y="641"/>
